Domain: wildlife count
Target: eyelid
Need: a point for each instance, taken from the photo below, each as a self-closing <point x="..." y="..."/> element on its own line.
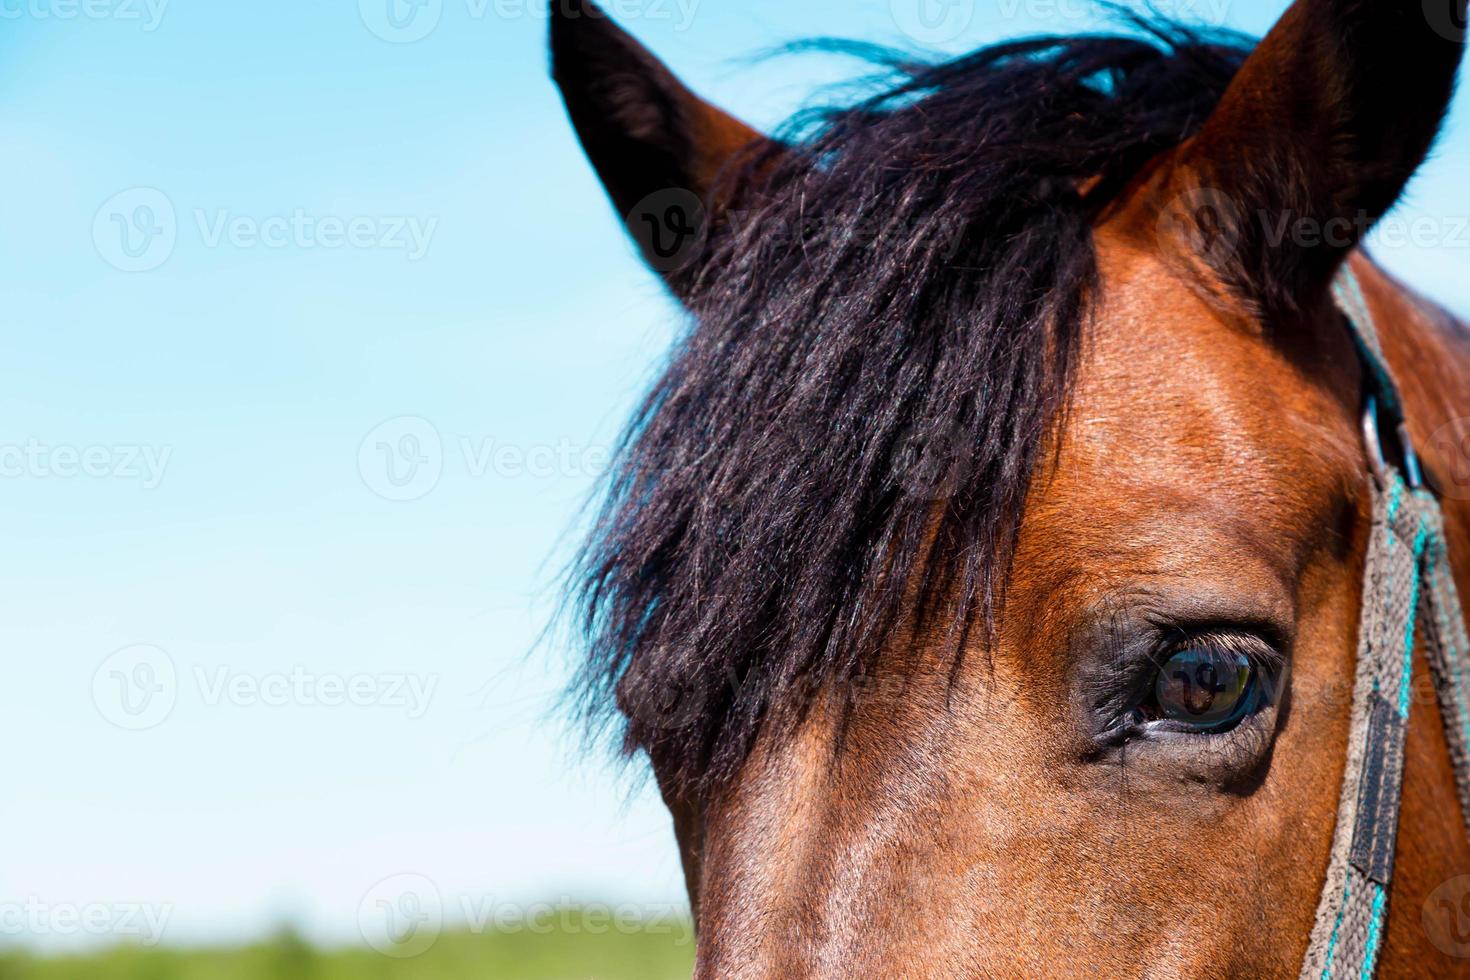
<point x="1262" y="653"/>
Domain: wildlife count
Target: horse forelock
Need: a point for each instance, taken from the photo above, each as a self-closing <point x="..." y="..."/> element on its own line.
<point x="884" y="328"/>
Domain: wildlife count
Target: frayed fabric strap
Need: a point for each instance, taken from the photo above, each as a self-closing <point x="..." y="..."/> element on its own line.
<point x="1409" y="596"/>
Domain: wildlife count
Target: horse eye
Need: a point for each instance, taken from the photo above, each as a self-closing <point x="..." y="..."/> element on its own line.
<point x="1203" y="688"/>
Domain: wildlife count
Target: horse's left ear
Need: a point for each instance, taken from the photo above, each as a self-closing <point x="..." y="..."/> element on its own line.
<point x="664" y="154"/>
<point x="1314" y="140"/>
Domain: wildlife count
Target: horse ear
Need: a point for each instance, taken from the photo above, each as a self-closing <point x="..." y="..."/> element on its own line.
<point x="665" y="156"/>
<point x="1314" y="140"/>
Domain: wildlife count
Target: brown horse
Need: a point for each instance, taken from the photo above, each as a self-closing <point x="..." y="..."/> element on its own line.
<point x="1014" y="398"/>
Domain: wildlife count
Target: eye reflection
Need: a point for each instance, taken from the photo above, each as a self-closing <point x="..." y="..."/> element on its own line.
<point x="1204" y="688"/>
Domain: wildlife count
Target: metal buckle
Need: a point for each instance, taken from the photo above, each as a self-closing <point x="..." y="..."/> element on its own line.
<point x="1376" y="458"/>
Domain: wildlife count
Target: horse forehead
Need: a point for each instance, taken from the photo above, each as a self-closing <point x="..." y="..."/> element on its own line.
<point x="1189" y="370"/>
<point x="1194" y="420"/>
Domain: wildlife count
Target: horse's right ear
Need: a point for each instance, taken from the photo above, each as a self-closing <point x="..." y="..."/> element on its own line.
<point x="665" y="156"/>
<point x="1314" y="140"/>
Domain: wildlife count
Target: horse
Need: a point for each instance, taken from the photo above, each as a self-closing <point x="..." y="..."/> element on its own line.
<point x="982" y="577"/>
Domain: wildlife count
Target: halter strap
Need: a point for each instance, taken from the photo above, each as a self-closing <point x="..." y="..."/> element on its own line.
<point x="1408" y="594"/>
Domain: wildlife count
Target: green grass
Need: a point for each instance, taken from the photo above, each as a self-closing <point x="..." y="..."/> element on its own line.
<point x="564" y="954"/>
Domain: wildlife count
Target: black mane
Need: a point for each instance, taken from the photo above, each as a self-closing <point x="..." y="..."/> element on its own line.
<point x="881" y="338"/>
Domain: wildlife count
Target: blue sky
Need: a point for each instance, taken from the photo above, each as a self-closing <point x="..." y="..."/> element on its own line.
<point x="302" y="466"/>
